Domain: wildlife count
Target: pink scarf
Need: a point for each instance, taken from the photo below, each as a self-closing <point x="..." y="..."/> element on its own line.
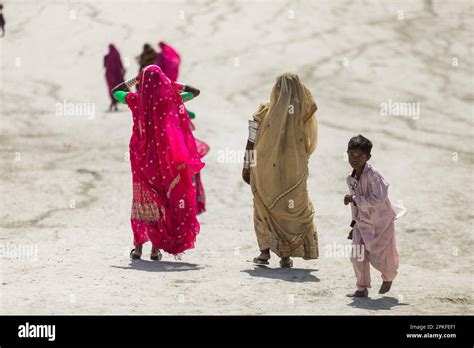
<point x="168" y="59"/>
<point x="163" y="158"/>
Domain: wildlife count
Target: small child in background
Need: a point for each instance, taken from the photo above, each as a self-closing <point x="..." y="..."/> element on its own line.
<point x="372" y="219"/>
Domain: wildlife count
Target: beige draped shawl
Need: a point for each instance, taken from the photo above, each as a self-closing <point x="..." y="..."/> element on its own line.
<point x="287" y="136"/>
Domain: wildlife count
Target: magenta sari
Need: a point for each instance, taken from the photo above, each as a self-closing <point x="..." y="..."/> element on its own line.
<point x="114" y="71"/>
<point x="168" y="60"/>
<point x="164" y="159"/>
<point x="203" y="149"/>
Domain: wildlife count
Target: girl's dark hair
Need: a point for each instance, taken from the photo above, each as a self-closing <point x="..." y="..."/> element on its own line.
<point x="360" y="142"/>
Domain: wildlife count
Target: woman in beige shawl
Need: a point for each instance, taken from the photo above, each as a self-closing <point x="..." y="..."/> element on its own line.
<point x="283" y="135"/>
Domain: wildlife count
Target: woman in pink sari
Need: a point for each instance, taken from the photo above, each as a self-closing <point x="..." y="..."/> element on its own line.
<point x="168" y="60"/>
<point x="114" y="72"/>
<point x="164" y="159"/>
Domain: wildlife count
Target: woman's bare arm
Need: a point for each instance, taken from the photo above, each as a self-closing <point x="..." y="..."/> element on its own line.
<point x="125" y="86"/>
<point x="193" y="90"/>
<point x="120" y="87"/>
<point x="246" y="169"/>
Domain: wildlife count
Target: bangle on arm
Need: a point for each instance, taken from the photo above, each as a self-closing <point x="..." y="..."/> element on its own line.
<point x="246" y="159"/>
<point x="253" y="128"/>
<point x="130" y="83"/>
<point x="120" y="96"/>
<point x="186" y="96"/>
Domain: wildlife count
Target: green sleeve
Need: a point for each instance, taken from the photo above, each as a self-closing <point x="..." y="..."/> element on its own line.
<point x="191" y="114"/>
<point x="187" y="96"/>
<point x="120" y="96"/>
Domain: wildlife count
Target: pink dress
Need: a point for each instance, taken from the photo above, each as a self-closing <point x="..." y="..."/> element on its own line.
<point x="374" y="230"/>
<point x="164" y="159"/>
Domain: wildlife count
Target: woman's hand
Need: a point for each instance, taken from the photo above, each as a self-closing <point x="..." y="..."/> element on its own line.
<point x="246" y="175"/>
<point x="193" y="90"/>
<point x="348" y="199"/>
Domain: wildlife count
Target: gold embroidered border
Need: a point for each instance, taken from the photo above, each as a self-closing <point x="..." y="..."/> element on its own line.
<point x="275" y="201"/>
<point x="292" y="246"/>
<point x="145" y="211"/>
<point x="172" y="185"/>
<point x="143" y="206"/>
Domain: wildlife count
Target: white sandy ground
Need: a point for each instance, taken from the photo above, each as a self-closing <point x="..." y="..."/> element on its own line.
<point x="66" y="184"/>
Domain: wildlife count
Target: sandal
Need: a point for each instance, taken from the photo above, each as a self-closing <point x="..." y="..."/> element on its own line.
<point x="286" y="264"/>
<point x="385" y="287"/>
<point x="358" y="293"/>
<point x="134" y="256"/>
<point x="156" y="257"/>
<point x="258" y="261"/>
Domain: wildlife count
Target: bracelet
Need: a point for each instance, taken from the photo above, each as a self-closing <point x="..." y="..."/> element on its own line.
<point x="130" y="83"/>
<point x="253" y="128"/>
<point x="246" y="157"/>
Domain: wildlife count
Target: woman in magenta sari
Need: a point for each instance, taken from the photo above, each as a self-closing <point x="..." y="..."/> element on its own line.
<point x="164" y="159"/>
<point x="168" y="60"/>
<point x="114" y="72"/>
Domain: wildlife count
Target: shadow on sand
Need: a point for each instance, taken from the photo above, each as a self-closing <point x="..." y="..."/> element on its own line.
<point x="298" y="275"/>
<point x="383" y="303"/>
<point x="160" y="266"/>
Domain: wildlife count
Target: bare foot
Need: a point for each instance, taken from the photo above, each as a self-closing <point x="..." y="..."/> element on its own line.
<point x="385" y="287"/>
<point x="263" y="258"/>
<point x="364" y="293"/>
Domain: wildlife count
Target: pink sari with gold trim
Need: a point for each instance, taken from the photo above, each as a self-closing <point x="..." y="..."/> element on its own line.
<point x="164" y="158"/>
<point x="168" y="59"/>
